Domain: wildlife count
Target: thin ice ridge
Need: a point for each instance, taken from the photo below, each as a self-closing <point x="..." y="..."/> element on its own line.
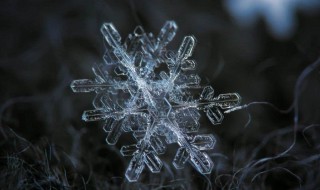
<point x="147" y="90"/>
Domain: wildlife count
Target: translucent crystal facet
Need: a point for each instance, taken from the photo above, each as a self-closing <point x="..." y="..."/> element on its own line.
<point x="147" y="90"/>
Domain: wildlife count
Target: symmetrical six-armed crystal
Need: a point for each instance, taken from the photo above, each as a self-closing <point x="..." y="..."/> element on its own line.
<point x="148" y="90"/>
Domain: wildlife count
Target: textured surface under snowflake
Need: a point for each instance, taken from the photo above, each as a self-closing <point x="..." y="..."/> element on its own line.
<point x="149" y="91"/>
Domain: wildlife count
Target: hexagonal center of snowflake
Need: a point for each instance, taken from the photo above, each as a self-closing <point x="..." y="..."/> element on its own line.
<point x="141" y="83"/>
<point x="162" y="108"/>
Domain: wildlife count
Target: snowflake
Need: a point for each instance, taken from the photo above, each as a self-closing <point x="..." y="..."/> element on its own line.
<point x="148" y="90"/>
<point x="278" y="14"/>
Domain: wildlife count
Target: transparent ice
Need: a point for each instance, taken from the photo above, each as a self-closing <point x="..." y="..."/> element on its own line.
<point x="147" y="90"/>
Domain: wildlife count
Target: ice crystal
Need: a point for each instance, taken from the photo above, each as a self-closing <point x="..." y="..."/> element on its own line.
<point x="147" y="90"/>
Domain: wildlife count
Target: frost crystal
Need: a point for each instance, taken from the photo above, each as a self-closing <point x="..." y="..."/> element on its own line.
<point x="147" y="90"/>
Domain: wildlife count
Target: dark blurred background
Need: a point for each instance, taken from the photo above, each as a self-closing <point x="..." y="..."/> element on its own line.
<point x="46" y="44"/>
